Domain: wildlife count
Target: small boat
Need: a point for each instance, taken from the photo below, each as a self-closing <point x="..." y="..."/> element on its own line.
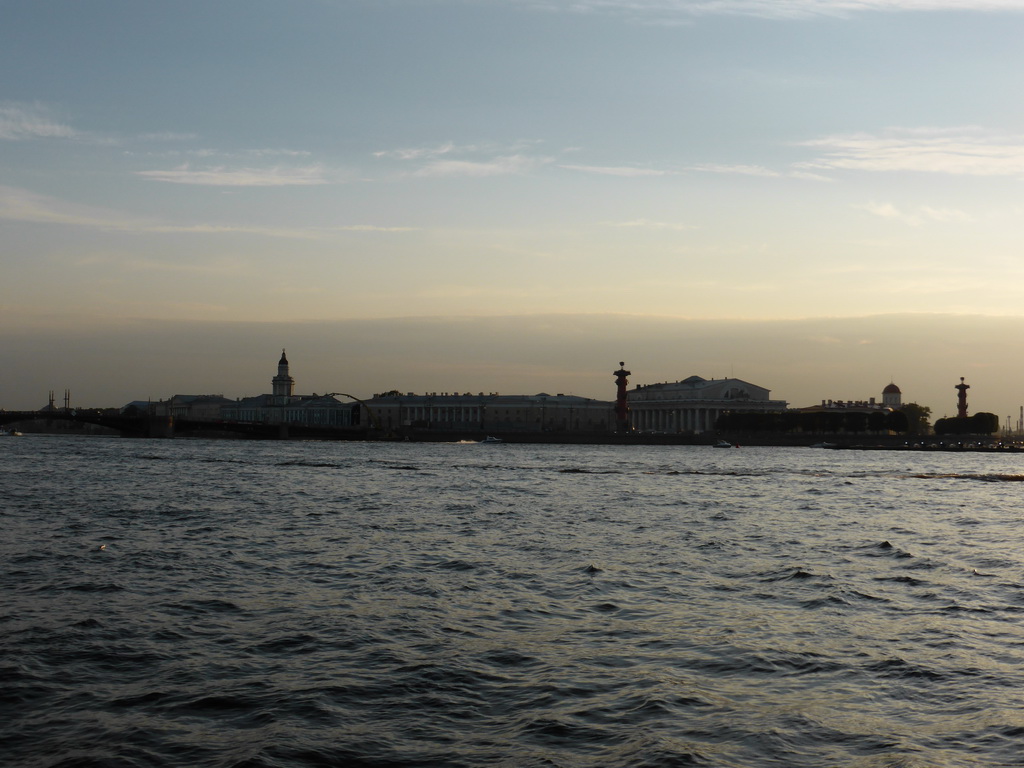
<point x="490" y="440"/>
<point x="5" y="432"/>
<point x="724" y="444"/>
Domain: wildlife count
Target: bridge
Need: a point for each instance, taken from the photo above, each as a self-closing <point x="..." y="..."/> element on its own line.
<point x="148" y="426"/>
<point x="126" y="425"/>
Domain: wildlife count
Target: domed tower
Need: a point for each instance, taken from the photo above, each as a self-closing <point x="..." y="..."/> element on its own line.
<point x="892" y="397"/>
<point x="284" y="385"/>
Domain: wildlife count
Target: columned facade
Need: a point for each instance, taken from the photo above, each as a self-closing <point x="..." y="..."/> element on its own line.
<point x="468" y="412"/>
<point x="694" y="404"/>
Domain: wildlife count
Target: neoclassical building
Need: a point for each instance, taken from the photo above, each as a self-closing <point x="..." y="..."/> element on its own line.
<point x="480" y="412"/>
<point x="694" y="404"/>
<point x="892" y="397"/>
<point x="283" y="406"/>
<point x="892" y="400"/>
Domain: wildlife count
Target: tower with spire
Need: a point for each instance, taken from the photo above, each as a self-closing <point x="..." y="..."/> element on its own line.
<point x="283" y="384"/>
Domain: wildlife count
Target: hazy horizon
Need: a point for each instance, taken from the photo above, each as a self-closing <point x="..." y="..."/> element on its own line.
<point x="801" y="361"/>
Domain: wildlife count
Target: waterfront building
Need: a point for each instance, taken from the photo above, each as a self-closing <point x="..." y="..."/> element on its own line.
<point x="892" y="400"/>
<point x="855" y="415"/>
<point x="892" y="397"/>
<point x="694" y="404"/>
<point x="193" y="407"/>
<point x="492" y="412"/>
<point x="283" y="406"/>
<point x="182" y="407"/>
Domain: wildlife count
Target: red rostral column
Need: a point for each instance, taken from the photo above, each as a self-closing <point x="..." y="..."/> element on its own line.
<point x="961" y="399"/>
<point x="621" y="408"/>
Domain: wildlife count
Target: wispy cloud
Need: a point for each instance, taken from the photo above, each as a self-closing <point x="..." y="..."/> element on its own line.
<point x="917" y="216"/>
<point x="20" y="122"/>
<point x="674" y="11"/>
<point x="960" y="151"/>
<point x="483" y="159"/>
<point x="743" y="170"/>
<point x="450" y="148"/>
<point x="417" y="153"/>
<point x="22" y="205"/>
<point x="221" y="176"/>
<point x="498" y="166"/>
<point x="890" y="211"/>
<point x="649" y="224"/>
<point x="808" y="176"/>
<point x="167" y="136"/>
<point x="615" y="170"/>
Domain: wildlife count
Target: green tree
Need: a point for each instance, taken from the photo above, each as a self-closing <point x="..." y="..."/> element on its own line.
<point x="984" y="423"/>
<point x="917" y="418"/>
<point x="855" y="422"/>
<point x="878" y="421"/>
<point x="897" y="422"/>
<point x="978" y="424"/>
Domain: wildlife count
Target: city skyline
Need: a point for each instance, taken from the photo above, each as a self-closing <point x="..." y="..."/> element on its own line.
<point x="525" y="355"/>
<point x="818" y="196"/>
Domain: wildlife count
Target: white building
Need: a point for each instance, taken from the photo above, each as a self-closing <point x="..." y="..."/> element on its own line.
<point x="694" y="404"/>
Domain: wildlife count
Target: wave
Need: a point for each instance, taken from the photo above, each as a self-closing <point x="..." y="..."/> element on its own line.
<point x="983" y="477"/>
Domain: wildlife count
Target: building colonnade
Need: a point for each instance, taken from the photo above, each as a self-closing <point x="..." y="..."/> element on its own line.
<point x="672" y="420"/>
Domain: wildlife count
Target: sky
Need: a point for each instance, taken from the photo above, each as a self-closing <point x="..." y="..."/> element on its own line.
<point x="816" y="196"/>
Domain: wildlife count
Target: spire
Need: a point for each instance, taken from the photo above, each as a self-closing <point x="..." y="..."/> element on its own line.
<point x="283" y="383"/>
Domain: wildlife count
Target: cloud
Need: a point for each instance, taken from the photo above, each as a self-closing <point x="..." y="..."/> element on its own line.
<point x="23" y="205"/>
<point x="21" y="123"/>
<point x="167" y="136"/>
<point x="499" y="166"/>
<point x="416" y="153"/>
<point x="648" y="224"/>
<point x="677" y="11"/>
<point x="221" y="176"/>
<point x="451" y="148"/>
<point x="946" y="214"/>
<point x="890" y="211"/>
<point x="483" y="159"/>
<point x="615" y="170"/>
<point x="922" y="213"/>
<point x="744" y="170"/>
<point x="961" y="151"/>
<point x="808" y="176"/>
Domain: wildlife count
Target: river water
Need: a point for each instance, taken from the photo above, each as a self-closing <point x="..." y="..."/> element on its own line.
<point x="224" y="603"/>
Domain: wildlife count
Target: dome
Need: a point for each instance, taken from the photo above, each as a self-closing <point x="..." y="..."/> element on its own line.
<point x="892" y="389"/>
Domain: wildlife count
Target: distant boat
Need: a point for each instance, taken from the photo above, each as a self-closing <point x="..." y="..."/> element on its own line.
<point x="5" y="432"/>
<point x="490" y="440"/>
<point x="724" y="444"/>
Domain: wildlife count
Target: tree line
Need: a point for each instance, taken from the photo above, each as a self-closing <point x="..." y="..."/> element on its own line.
<point x="910" y="419"/>
<point x="814" y="422"/>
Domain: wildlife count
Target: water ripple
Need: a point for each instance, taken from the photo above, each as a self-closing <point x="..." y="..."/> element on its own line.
<point x="194" y="603"/>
